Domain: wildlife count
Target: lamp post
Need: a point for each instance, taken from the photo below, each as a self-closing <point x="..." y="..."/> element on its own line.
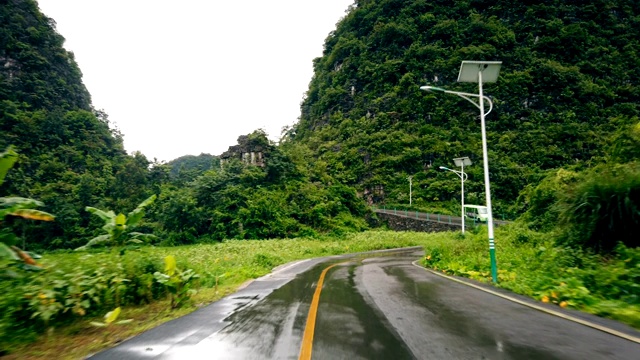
<point x="409" y="177"/>
<point x="480" y="72"/>
<point x="463" y="177"/>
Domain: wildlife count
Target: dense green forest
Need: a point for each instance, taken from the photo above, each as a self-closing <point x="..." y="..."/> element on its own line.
<point x="567" y="99"/>
<point x="566" y="91"/>
<point x="563" y="146"/>
<point x="564" y="131"/>
<point x="71" y="157"/>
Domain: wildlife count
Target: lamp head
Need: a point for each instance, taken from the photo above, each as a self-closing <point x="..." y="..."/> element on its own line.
<point x="443" y="168"/>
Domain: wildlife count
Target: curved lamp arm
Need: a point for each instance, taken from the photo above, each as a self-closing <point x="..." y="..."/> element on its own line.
<point x="466" y="96"/>
<point x="462" y="175"/>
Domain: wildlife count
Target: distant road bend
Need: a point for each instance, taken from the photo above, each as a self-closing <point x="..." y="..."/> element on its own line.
<point x="376" y="305"/>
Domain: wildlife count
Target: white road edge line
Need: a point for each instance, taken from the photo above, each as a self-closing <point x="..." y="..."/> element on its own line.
<point x="287" y="266"/>
<point x="536" y="307"/>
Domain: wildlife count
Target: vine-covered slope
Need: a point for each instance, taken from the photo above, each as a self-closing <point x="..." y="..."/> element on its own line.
<point x="568" y="83"/>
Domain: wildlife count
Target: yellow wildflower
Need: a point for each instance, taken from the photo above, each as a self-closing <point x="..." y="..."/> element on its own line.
<point x="545" y="299"/>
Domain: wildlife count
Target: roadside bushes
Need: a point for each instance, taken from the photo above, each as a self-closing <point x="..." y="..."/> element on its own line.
<point x="88" y="285"/>
<point x="530" y="263"/>
<point x="590" y="210"/>
<point x="603" y="209"/>
<point x="540" y="201"/>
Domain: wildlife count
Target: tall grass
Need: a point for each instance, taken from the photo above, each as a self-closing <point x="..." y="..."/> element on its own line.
<point x="603" y="209"/>
<point x="529" y="263"/>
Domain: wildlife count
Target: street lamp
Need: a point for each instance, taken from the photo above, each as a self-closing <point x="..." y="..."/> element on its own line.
<point x="480" y="72"/>
<point x="463" y="177"/>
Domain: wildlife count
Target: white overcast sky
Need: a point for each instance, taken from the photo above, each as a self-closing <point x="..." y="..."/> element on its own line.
<point x="189" y="77"/>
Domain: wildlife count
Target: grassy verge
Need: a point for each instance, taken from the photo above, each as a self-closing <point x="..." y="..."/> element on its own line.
<point x="87" y="339"/>
<point x="528" y="264"/>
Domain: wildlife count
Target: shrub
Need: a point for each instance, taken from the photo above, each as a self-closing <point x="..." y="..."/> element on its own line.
<point x="83" y="285"/>
<point x="540" y="201"/>
<point x="603" y="209"/>
<point x="177" y="282"/>
<point x="530" y="263"/>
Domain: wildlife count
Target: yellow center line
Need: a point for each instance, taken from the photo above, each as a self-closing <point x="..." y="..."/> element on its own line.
<point x="309" y="329"/>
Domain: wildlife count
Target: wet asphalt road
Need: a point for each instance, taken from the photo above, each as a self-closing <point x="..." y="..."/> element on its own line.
<point x="372" y="306"/>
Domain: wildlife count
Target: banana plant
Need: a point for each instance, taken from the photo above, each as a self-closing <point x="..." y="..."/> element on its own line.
<point x="10" y="254"/>
<point x="110" y="318"/>
<point x="177" y="282"/>
<point x="117" y="226"/>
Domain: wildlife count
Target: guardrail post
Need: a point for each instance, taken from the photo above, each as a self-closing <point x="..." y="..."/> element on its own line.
<point x="438" y="217"/>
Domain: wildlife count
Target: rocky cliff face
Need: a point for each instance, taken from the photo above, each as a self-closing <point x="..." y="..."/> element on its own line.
<point x="251" y="149"/>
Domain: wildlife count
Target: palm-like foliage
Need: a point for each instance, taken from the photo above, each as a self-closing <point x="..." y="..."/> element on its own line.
<point x="20" y="207"/>
<point x="116" y="226"/>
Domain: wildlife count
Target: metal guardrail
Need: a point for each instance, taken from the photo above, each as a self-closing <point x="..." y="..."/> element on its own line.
<point x="439" y="218"/>
<point x="444" y="219"/>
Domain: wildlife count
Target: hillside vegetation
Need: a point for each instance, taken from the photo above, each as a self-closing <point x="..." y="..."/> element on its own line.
<point x="567" y="95"/>
<point x="70" y="154"/>
<point x="566" y="113"/>
<point x="564" y="156"/>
